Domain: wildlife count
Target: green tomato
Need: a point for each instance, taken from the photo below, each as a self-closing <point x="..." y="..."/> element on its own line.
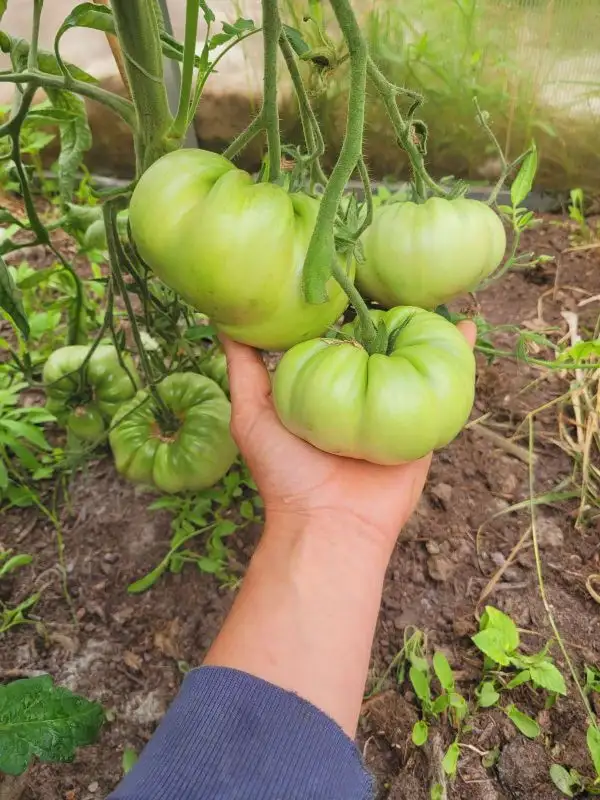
<point x="232" y="248"/>
<point x="86" y="423"/>
<point x="95" y="235"/>
<point x="426" y="254"/>
<point x="215" y="368"/>
<point x="105" y="382"/>
<point x="388" y="409"/>
<point x="195" y="455"/>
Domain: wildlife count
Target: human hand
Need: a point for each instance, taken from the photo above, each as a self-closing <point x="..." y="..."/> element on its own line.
<point x="295" y="478"/>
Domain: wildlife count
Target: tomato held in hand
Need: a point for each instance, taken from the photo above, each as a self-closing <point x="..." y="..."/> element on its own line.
<point x="386" y="408"/>
<point x="426" y="254"/>
<point x="232" y="248"/>
<point x="192" y="454"/>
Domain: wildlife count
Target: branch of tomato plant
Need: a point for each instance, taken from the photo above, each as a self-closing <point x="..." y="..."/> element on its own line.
<point x="270" y="110"/>
<point x="181" y="121"/>
<point x="321" y="250"/>
<point x="404" y="131"/>
<point x="123" y="108"/>
<point x="32" y="57"/>
<point x="366" y="182"/>
<point x="13" y="129"/>
<point x="110" y="211"/>
<point x="204" y="76"/>
<point x="506" y="168"/>
<point x="139" y="36"/>
<point x="315" y="145"/>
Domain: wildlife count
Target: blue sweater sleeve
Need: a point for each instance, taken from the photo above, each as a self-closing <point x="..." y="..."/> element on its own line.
<point x="231" y="736"/>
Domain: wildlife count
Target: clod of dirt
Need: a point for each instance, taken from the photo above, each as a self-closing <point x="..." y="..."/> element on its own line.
<point x="147" y="709"/>
<point x="390" y="715"/>
<point x="407" y="787"/>
<point x="442" y="492"/>
<point x="524" y="771"/>
<point x="440" y="568"/>
<point x="549" y="534"/>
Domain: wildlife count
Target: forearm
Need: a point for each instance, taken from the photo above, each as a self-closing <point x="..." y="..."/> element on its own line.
<point x="305" y="616"/>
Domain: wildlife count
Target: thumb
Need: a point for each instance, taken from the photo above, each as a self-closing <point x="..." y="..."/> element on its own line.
<point x="249" y="382"/>
<point x="469" y="331"/>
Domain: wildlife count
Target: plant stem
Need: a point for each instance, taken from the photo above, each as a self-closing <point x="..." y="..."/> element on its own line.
<point x="366" y="182"/>
<point x="245" y="137"/>
<point x="270" y="109"/>
<point x="321" y="250"/>
<point x="123" y="108"/>
<point x="313" y="137"/>
<point x="388" y="93"/>
<point x="139" y="36"/>
<point x="180" y="124"/>
<point x="32" y="57"/>
<point x="367" y="326"/>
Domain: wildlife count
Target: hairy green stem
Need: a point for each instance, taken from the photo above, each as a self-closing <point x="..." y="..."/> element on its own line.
<point x="321" y="250"/>
<point x="32" y="57"/>
<point x="270" y="110"/>
<point x="366" y="182"/>
<point x="315" y="145"/>
<point x="404" y="131"/>
<point x="245" y="137"/>
<point x="180" y="124"/>
<point x="367" y="326"/>
<point x="123" y="108"/>
<point x="139" y="36"/>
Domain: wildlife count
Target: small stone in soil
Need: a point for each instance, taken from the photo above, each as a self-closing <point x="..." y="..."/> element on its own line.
<point x="93" y="787"/>
<point x="440" y="568"/>
<point x="548" y="533"/>
<point x="443" y="493"/>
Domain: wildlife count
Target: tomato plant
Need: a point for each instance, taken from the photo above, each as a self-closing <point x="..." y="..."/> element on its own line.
<point x="388" y="407"/>
<point x="189" y="451"/>
<point x="425" y="254"/>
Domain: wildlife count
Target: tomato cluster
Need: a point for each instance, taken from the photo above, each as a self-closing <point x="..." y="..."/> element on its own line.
<point x="235" y="250"/>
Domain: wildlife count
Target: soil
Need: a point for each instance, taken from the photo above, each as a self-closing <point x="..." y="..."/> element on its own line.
<point x="130" y="652"/>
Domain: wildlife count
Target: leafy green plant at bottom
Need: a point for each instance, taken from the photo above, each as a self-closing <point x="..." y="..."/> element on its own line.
<point x="43" y="721"/>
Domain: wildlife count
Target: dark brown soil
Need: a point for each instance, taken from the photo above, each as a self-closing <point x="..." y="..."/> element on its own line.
<point x="129" y="652"/>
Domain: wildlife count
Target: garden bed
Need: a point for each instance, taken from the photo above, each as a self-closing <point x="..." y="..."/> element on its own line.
<point x="130" y="652"/>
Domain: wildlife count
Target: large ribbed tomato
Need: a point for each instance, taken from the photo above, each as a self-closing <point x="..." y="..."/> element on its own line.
<point x="387" y="408"/>
<point x="232" y="248"/>
<point x="426" y="254"/>
<point x="191" y="455"/>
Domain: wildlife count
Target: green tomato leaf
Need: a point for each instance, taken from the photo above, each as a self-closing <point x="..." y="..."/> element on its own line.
<point x="3" y="6"/>
<point x="525" y="724"/>
<point x="443" y="670"/>
<point x="420" y="733"/>
<point x="24" y="430"/>
<point x="239" y="27"/>
<point x="3" y="479"/>
<point x="206" y="12"/>
<point x="547" y="676"/>
<point x="38" y="719"/>
<point x="10" y="300"/>
<point x="491" y="642"/>
<point x="561" y="778"/>
<point x="523" y="677"/>
<point x="129" y="759"/>
<point x="581" y="351"/>
<point x="148" y="580"/>
<point x="593" y="743"/>
<point x="75" y="139"/>
<point x="440" y="704"/>
<point x="296" y="40"/>
<point x="37" y="277"/>
<point x="450" y="760"/>
<point x="502" y="622"/>
<point x="420" y="683"/>
<point x="523" y="182"/>
<point x="487" y="695"/>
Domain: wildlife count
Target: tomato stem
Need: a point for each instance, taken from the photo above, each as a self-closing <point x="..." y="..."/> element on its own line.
<point x="270" y="109"/>
<point x="315" y="144"/>
<point x="180" y="123"/>
<point x="368" y="331"/>
<point x="139" y="36"/>
<point x="321" y="249"/>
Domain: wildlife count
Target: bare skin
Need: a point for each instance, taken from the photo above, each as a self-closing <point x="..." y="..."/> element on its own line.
<point x="305" y="616"/>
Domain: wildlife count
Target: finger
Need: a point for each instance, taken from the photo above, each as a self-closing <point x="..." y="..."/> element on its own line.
<point x="249" y="381"/>
<point x="469" y="331"/>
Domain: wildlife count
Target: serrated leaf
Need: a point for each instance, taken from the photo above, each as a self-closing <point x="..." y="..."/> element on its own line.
<point x="523" y="677"/>
<point x="24" y="430"/>
<point x="10" y="300"/>
<point x="443" y="671"/>
<point x="38" y="719"/>
<point x="491" y="642"/>
<point x="296" y="40"/>
<point x="450" y="759"/>
<point x="523" y="182"/>
<point x="420" y="733"/>
<point x="75" y="140"/>
<point x="561" y="778"/>
<point x="593" y="743"/>
<point x="525" y="724"/>
<point x="547" y="676"/>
